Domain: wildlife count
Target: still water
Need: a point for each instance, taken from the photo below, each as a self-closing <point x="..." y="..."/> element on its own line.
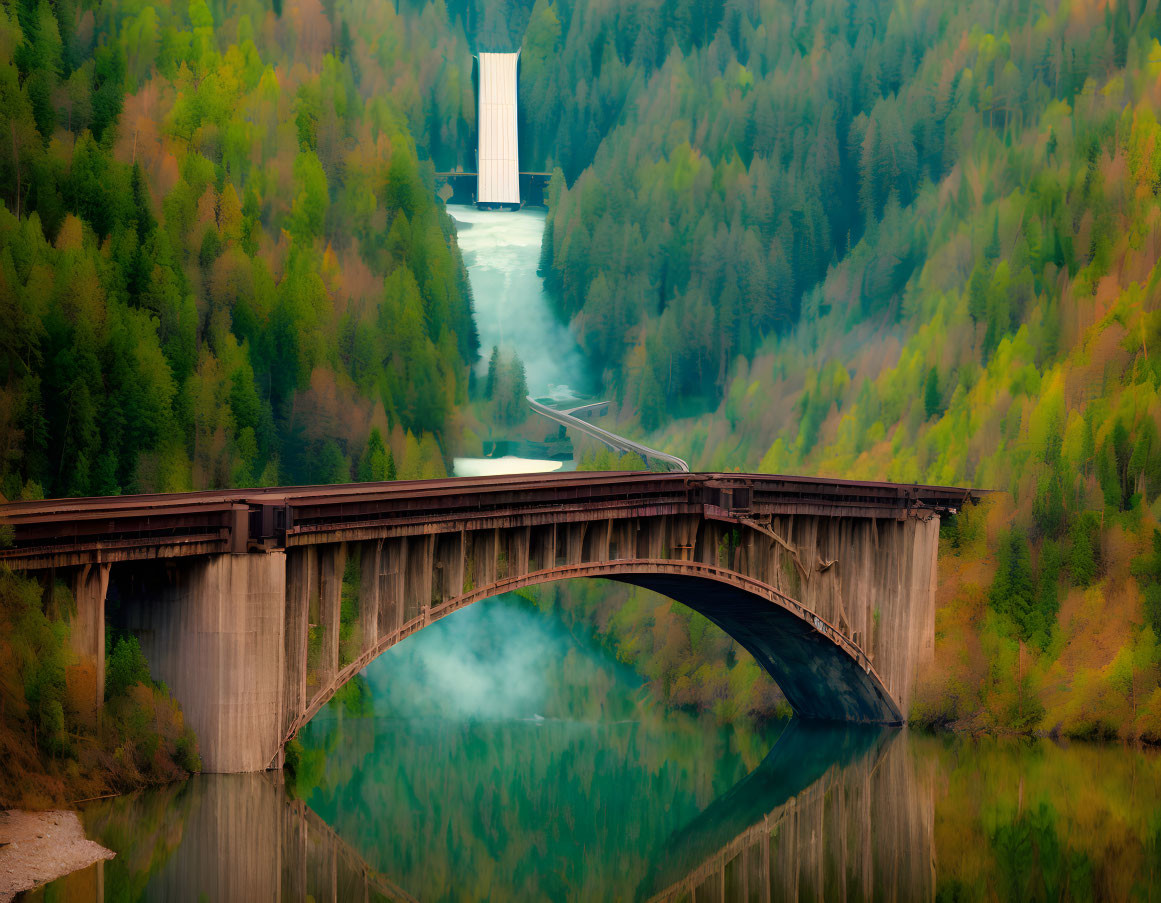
<point x="495" y="756"/>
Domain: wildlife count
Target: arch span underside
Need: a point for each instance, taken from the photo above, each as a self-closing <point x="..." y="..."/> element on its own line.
<point x="822" y="672"/>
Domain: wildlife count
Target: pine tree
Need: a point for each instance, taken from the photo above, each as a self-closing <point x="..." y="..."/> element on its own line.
<point x="1013" y="590"/>
<point x="931" y="396"/>
<point x="493" y="373"/>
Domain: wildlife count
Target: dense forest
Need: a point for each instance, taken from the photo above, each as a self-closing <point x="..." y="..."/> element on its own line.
<point x="912" y="244"/>
<point x="222" y="263"/>
<point x="221" y="260"/>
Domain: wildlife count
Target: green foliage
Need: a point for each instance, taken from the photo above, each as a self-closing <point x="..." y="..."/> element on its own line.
<point x="162" y="336"/>
<point x="931" y="395"/>
<point x="1029" y="600"/>
<point x="506" y="387"/>
<point x="125" y="666"/>
<point x="36" y="652"/>
<point x="56" y="751"/>
<point x="187" y="756"/>
<point x="1013" y="590"/>
<point x="1147" y="569"/>
<point x="354" y="698"/>
<point x="1083" y="555"/>
<point x="293" y="756"/>
<point x="606" y="459"/>
<point x="376" y="463"/>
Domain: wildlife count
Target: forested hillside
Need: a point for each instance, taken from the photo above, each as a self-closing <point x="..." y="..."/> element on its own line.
<point x="222" y="263"/>
<point x="913" y="244"/>
<point x="221" y="260"/>
<point x="910" y="242"/>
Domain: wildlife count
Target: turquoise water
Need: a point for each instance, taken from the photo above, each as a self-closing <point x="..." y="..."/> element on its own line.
<point x="501" y="251"/>
<point x="495" y="756"/>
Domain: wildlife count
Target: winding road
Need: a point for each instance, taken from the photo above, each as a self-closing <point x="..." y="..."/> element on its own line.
<point x="568" y="419"/>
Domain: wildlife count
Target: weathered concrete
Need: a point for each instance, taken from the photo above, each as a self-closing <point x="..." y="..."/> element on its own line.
<point x="839" y="611"/>
<point x="333" y="559"/>
<point x="87" y="635"/>
<point x="213" y="630"/>
<point x="873" y="578"/>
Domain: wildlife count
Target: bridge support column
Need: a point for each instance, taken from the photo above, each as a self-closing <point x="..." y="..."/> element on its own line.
<point x="333" y="562"/>
<point x="301" y="583"/>
<point x="213" y="631"/>
<point x="369" y="600"/>
<point x="87" y="636"/>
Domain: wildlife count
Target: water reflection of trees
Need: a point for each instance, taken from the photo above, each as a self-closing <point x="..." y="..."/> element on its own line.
<point x="907" y="816"/>
<point x="526" y="810"/>
<point x="612" y="797"/>
<point x="1019" y="819"/>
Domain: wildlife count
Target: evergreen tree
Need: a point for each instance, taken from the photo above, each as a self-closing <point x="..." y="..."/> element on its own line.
<point x="1013" y="591"/>
<point x="931" y="396"/>
<point x="493" y="373"/>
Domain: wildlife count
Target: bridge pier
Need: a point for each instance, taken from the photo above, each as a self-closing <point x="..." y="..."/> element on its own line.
<point x="332" y="563"/>
<point x="369" y="602"/>
<point x="212" y="630"/>
<point x="301" y="584"/>
<point x="87" y="637"/>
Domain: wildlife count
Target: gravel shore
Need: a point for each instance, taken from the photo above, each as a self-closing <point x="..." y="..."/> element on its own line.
<point x="37" y="847"/>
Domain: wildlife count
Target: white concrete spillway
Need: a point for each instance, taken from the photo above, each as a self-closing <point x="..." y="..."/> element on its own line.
<point x="498" y="155"/>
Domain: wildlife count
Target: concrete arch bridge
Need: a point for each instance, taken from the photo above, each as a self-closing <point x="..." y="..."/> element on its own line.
<point x="255" y="606"/>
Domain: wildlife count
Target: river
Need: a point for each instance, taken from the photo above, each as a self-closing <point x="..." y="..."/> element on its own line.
<point x="501" y="250"/>
<point x="495" y="755"/>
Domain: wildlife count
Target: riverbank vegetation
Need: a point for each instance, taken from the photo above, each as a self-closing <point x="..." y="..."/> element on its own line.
<point x="53" y="748"/>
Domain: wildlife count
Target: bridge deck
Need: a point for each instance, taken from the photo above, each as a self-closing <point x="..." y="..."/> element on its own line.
<point x="69" y="532"/>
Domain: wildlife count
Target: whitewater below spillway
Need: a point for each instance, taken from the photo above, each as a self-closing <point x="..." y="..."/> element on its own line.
<point x="501" y="249"/>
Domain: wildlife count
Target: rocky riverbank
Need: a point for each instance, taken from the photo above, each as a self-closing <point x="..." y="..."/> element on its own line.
<point x="38" y="847"/>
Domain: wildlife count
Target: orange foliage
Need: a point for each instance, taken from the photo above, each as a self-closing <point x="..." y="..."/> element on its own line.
<point x="330" y="409"/>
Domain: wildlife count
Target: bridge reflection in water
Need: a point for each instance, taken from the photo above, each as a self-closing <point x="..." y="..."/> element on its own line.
<point x="831" y="813"/>
<point x="223" y="838"/>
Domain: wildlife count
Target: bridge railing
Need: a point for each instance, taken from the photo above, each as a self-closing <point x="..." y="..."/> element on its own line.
<point x="69" y="532"/>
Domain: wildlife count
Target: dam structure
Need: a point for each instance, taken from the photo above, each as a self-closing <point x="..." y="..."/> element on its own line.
<point x="498" y="154"/>
<point x="255" y="606"/>
<point x="498" y="182"/>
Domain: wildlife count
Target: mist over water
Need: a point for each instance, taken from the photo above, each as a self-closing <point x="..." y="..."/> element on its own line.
<point x="488" y="661"/>
<point x="502" y="251"/>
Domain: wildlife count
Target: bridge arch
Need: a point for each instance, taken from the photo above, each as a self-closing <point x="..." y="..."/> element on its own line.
<point x="242" y="599"/>
<point x="822" y="672"/>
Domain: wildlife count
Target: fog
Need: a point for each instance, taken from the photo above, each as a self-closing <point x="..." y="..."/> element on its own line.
<point x="486" y="661"/>
<point x="502" y="251"/>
